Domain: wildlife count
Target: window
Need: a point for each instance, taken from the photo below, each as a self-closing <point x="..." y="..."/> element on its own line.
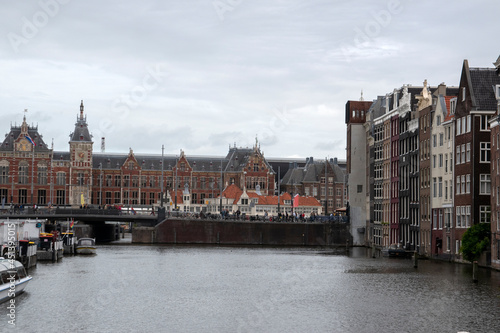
<point x="61" y="178"/>
<point x="434" y="187"/>
<point x="464" y="125"/>
<point x="458" y="185"/>
<point x="467" y="185"/>
<point x="441" y="139"/>
<point x="467" y="216"/>
<point x="118" y="181"/>
<point x="468" y="152"/>
<point x="434" y="140"/>
<point x="42" y="175"/>
<point x="453" y="105"/>
<point x="484" y="214"/>
<point x="23" y="173"/>
<point x="445" y="189"/>
<point x="458" y="155"/>
<point x="360" y="188"/>
<point x="60" y="197"/>
<point x="468" y="123"/>
<point x="459" y="217"/>
<point x="433" y="161"/>
<point x="463" y="153"/>
<point x="485" y="184"/>
<point x="438" y="120"/>
<point x="459" y="126"/>
<point x="4" y="174"/>
<point x="463" y="94"/>
<point x="485" y="152"/>
<point x="445" y="162"/>
<point x="463" y="184"/>
<point x="440" y="160"/>
<point x="440" y="187"/>
<point x="485" y="125"/>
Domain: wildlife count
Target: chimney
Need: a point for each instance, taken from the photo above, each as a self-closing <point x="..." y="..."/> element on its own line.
<point x="335" y="161"/>
<point x="311" y="160"/>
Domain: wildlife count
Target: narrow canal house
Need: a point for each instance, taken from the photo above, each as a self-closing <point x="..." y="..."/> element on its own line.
<point x="442" y="242"/>
<point x="355" y="118"/>
<point x="493" y="94"/>
<point x="476" y="105"/>
<point x="426" y="139"/>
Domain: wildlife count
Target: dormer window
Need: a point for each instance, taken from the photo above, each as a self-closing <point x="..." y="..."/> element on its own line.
<point x="453" y="105"/>
<point x="497" y="92"/>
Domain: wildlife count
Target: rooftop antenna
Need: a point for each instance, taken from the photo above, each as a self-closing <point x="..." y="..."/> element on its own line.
<point x="361" y="99"/>
<point x="103" y="144"/>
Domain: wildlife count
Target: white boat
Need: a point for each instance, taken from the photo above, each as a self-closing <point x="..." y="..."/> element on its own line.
<point x="86" y="246"/>
<point x="13" y="279"/>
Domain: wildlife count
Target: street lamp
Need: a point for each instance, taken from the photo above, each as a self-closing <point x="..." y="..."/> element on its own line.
<point x="100" y="184"/>
<point x="221" y="180"/>
<point x="162" y="168"/>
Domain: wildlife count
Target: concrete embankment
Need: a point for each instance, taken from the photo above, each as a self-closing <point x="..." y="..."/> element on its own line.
<point x="185" y="231"/>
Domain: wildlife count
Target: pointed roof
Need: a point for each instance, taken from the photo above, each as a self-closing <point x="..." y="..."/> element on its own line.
<point x="81" y="132"/>
<point x="21" y="131"/>
<point x="483" y="82"/>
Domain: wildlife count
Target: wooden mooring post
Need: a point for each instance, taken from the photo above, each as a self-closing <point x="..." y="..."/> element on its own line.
<point x="474" y="271"/>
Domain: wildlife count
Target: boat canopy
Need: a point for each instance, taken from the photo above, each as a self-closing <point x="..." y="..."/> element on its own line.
<point x="7" y="266"/>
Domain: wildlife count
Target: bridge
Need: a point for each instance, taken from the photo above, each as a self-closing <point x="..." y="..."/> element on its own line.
<point x="90" y="215"/>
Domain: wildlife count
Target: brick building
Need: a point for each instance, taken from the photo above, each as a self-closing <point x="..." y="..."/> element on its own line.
<point x="36" y="174"/>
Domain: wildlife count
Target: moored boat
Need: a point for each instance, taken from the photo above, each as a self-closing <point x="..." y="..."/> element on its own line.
<point x="13" y="279"/>
<point x="86" y="246"/>
<point x="396" y="250"/>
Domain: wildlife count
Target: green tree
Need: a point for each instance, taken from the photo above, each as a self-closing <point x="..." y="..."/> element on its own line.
<point x="475" y="240"/>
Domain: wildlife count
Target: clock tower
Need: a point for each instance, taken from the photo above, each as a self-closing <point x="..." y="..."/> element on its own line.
<point x="80" y="148"/>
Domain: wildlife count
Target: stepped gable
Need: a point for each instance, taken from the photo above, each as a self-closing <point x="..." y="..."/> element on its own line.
<point x="20" y="131"/>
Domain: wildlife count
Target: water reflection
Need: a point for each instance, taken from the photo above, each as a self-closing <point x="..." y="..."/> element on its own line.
<point x="215" y="289"/>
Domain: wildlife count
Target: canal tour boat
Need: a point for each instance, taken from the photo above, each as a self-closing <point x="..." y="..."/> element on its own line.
<point x="86" y="246"/>
<point x="13" y="279"/>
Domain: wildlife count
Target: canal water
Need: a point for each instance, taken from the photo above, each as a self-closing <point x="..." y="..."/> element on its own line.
<point x="129" y="288"/>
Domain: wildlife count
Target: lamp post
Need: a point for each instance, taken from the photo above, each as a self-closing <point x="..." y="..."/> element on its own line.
<point x="279" y="180"/>
<point x="100" y="184"/>
<point x="175" y="186"/>
<point x="221" y="181"/>
<point x="162" y="170"/>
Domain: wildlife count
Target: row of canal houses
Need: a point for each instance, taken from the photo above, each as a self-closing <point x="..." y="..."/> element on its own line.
<point x="424" y="164"/>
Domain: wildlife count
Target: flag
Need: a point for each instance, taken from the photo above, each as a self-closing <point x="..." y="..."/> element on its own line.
<point x="30" y="140"/>
<point x="296" y="200"/>
<point x="82" y="200"/>
<point x="72" y="224"/>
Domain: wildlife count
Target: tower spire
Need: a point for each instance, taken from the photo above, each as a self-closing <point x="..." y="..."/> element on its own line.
<point x="81" y="110"/>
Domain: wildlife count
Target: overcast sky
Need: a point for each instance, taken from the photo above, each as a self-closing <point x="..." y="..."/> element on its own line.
<point x="200" y="75"/>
